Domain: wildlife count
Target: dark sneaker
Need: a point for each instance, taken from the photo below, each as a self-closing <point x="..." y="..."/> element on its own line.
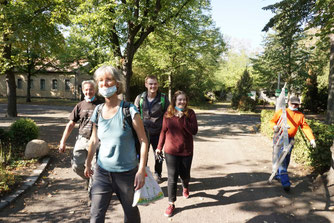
<point x="157" y="178"/>
<point x="286" y="188"/>
<point x="185" y="193"/>
<point x="169" y="211"/>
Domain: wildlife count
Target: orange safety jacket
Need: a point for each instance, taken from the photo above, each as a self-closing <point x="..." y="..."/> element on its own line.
<point x="295" y="119"/>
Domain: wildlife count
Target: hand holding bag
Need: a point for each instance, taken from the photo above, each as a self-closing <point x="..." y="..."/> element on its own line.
<point x="150" y="192"/>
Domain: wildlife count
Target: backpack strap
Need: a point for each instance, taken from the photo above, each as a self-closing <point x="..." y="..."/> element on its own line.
<point x="141" y="101"/>
<point x="98" y="112"/>
<point x="127" y="116"/>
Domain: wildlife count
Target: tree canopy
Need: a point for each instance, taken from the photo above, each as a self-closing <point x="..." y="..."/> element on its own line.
<point x="293" y="17"/>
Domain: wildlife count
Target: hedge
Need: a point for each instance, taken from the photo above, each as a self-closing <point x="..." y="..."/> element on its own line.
<point x="320" y="157"/>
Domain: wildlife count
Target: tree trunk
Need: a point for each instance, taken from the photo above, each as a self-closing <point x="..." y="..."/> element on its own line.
<point x="28" y="98"/>
<point x="10" y="81"/>
<point x="330" y="174"/>
<point x="170" y="86"/>
<point x="127" y="72"/>
<point x="330" y="101"/>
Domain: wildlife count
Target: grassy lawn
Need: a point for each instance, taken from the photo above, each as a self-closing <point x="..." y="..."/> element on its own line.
<point x="42" y="101"/>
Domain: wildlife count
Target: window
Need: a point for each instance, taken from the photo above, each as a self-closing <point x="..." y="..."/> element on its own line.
<point x="31" y="83"/>
<point x="19" y="83"/>
<point x="67" y="85"/>
<point x="42" y="84"/>
<point x="54" y="84"/>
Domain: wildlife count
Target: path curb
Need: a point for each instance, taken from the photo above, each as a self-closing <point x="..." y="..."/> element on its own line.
<point x="27" y="183"/>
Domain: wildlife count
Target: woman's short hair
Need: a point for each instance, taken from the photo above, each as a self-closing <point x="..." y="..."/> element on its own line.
<point x="116" y="74"/>
<point x="91" y="82"/>
<point x="171" y="111"/>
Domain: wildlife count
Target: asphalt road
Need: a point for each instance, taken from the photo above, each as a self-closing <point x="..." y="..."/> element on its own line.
<point x="230" y="169"/>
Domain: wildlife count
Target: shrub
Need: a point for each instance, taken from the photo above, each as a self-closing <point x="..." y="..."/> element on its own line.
<point x="266" y="116"/>
<point x="7" y="181"/>
<point x="246" y="104"/>
<point x="319" y="158"/>
<point x="22" y="131"/>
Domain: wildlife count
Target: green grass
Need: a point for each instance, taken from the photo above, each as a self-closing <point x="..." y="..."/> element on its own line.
<point x="42" y="101"/>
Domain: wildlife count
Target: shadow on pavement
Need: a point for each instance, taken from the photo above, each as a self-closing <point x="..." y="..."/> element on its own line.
<point x="286" y="218"/>
<point x="253" y="190"/>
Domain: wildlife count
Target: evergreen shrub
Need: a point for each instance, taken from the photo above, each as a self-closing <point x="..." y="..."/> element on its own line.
<point x="320" y="157"/>
<point x="240" y="99"/>
<point x="22" y="131"/>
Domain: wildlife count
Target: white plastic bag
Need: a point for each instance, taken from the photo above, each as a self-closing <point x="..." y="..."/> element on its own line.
<point x="150" y="192"/>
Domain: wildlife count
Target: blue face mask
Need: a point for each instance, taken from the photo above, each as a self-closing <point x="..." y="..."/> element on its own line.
<point x="87" y="99"/>
<point x="108" y="92"/>
<point x="293" y="109"/>
<point x="179" y="109"/>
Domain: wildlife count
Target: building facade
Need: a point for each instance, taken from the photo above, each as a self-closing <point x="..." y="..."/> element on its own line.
<point x="47" y="85"/>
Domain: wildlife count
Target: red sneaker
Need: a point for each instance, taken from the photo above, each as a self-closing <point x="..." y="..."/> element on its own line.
<point x="185" y="193"/>
<point x="169" y="211"/>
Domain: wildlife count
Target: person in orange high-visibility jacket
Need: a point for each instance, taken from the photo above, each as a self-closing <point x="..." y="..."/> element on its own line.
<point x="294" y="120"/>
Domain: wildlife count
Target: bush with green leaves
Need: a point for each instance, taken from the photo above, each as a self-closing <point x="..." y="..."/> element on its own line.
<point x="319" y="158"/>
<point x="7" y="181"/>
<point x="266" y="116"/>
<point x="22" y="131"/>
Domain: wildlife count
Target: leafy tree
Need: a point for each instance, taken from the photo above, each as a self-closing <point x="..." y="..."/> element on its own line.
<point x="240" y="99"/>
<point x="80" y="47"/>
<point x="28" y="28"/>
<point x="232" y="67"/>
<point x="298" y="15"/>
<point x="123" y="26"/>
<point x="282" y="56"/>
<point x="184" y="55"/>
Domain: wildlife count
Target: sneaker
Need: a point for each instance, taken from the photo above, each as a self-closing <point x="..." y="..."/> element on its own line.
<point x="286" y="188"/>
<point x="158" y="178"/>
<point x="185" y="193"/>
<point x="169" y="211"/>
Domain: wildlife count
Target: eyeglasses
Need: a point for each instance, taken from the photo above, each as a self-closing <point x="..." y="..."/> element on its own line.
<point x="294" y="104"/>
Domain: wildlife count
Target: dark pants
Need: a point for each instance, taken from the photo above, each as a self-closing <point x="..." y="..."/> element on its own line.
<point x="104" y="185"/>
<point x="177" y="166"/>
<point x="154" y="140"/>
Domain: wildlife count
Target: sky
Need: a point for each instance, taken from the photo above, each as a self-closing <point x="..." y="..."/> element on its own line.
<point x="241" y="21"/>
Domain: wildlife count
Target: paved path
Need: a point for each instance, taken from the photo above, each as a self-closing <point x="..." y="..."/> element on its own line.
<point x="230" y="169"/>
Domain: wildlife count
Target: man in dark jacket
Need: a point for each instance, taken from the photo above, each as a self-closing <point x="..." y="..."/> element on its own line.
<point x="152" y="106"/>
